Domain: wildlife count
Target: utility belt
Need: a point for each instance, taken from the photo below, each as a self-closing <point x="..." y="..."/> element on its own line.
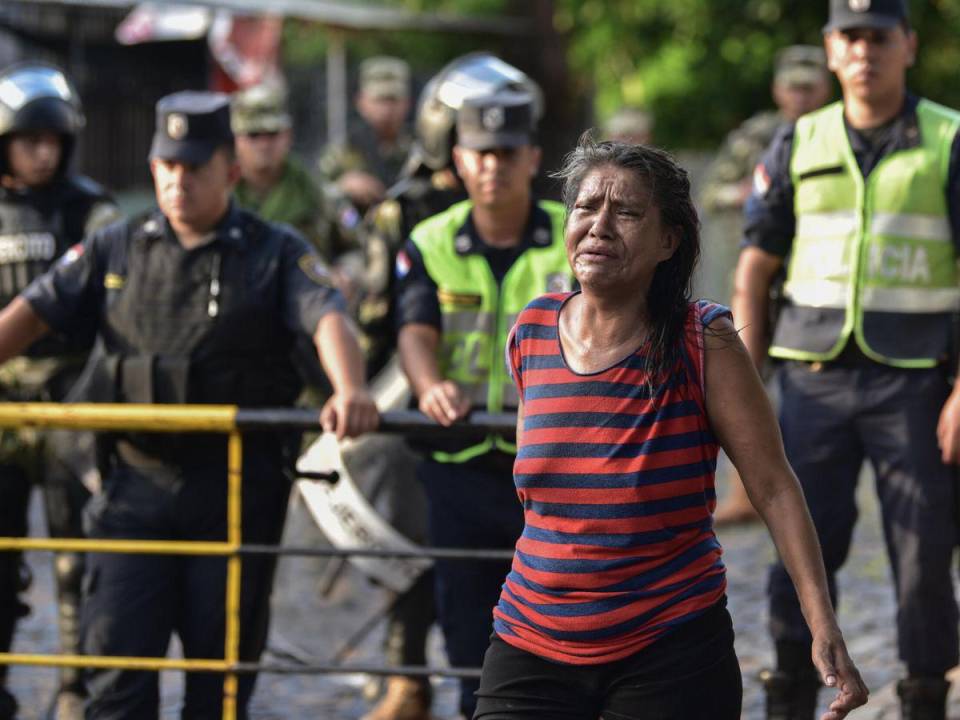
<point x="176" y="380"/>
<point x="150" y="378"/>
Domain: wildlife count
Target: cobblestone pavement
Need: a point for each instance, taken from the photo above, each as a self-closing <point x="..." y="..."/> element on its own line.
<point x="309" y="626"/>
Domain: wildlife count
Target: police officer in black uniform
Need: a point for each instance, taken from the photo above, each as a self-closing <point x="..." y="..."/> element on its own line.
<point x="44" y="210"/>
<point x="196" y="302"/>
<point x="428" y="185"/>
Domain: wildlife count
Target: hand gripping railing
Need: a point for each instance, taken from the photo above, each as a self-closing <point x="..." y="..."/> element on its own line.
<point x="232" y="421"/>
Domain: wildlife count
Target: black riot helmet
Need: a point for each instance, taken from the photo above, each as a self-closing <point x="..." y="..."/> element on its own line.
<point x="472" y="75"/>
<point x="34" y="96"/>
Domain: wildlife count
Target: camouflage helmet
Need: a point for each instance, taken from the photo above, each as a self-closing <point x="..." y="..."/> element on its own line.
<point x="471" y="75"/>
<point x="35" y="96"/>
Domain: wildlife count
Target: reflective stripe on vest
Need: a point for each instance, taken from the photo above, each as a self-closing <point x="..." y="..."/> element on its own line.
<point x="477" y="314"/>
<point x="870" y="255"/>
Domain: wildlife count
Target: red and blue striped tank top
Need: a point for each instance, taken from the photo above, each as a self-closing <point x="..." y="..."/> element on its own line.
<point x="617" y="486"/>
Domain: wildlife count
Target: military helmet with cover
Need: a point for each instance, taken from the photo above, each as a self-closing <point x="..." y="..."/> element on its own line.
<point x="472" y="75"/>
<point x="36" y="96"/>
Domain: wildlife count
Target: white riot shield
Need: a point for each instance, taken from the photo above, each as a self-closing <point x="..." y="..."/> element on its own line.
<point x="367" y="465"/>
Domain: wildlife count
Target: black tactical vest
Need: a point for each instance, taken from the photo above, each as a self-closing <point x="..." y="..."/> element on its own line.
<point x="198" y="326"/>
<point x="36" y="228"/>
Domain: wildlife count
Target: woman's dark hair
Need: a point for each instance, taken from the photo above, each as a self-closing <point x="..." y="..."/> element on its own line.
<point x="669" y="185"/>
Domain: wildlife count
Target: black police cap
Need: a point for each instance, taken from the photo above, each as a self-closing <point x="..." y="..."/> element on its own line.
<point x="880" y="14"/>
<point x="191" y="125"/>
<point x="499" y="120"/>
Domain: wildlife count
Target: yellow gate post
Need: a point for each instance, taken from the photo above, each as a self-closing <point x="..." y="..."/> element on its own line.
<point x="148" y="418"/>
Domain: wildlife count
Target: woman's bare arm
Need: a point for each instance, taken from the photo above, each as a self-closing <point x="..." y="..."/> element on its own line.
<point x="744" y="422"/>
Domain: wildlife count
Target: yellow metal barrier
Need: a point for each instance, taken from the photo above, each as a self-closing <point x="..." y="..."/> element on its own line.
<point x="147" y="418"/>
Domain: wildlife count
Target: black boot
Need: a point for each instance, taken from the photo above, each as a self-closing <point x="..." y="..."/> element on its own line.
<point x="789" y="697"/>
<point x="792" y="688"/>
<point x="923" y="698"/>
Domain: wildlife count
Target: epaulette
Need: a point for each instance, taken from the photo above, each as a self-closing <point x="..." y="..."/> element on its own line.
<point x="147" y="225"/>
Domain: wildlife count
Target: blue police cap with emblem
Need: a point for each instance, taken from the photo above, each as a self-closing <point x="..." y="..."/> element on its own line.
<point x="499" y="120"/>
<point x="191" y="125"/>
<point x="851" y="14"/>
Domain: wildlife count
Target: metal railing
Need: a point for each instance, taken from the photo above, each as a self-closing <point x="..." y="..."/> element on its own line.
<point x="232" y="421"/>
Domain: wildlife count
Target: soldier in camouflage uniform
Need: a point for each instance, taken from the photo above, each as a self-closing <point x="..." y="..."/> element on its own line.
<point x="45" y="211"/>
<point x="801" y="84"/>
<point x="275" y="185"/>
<point x="378" y="144"/>
<point x="428" y="185"/>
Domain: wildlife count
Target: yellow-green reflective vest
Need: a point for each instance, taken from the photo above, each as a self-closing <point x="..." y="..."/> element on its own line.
<point x="477" y="314"/>
<point x="874" y="259"/>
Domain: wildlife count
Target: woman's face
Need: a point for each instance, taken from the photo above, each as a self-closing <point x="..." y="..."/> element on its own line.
<point x="615" y="238"/>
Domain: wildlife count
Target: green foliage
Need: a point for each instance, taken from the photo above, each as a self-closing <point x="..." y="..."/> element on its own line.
<point x="703" y="66"/>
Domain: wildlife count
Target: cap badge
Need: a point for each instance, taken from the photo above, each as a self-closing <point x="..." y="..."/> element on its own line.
<point x="493" y="118"/>
<point x="177" y="126"/>
<point x="859" y="5"/>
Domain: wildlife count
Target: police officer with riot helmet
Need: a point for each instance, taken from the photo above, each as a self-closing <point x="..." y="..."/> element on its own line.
<point x="44" y="210"/>
<point x="195" y="302"/>
<point x="462" y="278"/>
<point x="428" y="185"/>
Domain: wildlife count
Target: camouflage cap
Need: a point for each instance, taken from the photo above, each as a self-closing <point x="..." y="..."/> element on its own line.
<point x="384" y="76"/>
<point x="259" y="109"/>
<point x="801" y="65"/>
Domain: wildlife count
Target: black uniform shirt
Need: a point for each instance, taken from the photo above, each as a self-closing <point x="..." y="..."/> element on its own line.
<point x="417" y="292"/>
<point x="83" y="282"/>
<point x="769" y="221"/>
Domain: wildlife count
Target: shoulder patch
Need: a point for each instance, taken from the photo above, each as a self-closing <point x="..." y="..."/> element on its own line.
<point x="403" y="265"/>
<point x="761" y="180"/>
<point x="72" y="255"/>
<point x="315" y="269"/>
